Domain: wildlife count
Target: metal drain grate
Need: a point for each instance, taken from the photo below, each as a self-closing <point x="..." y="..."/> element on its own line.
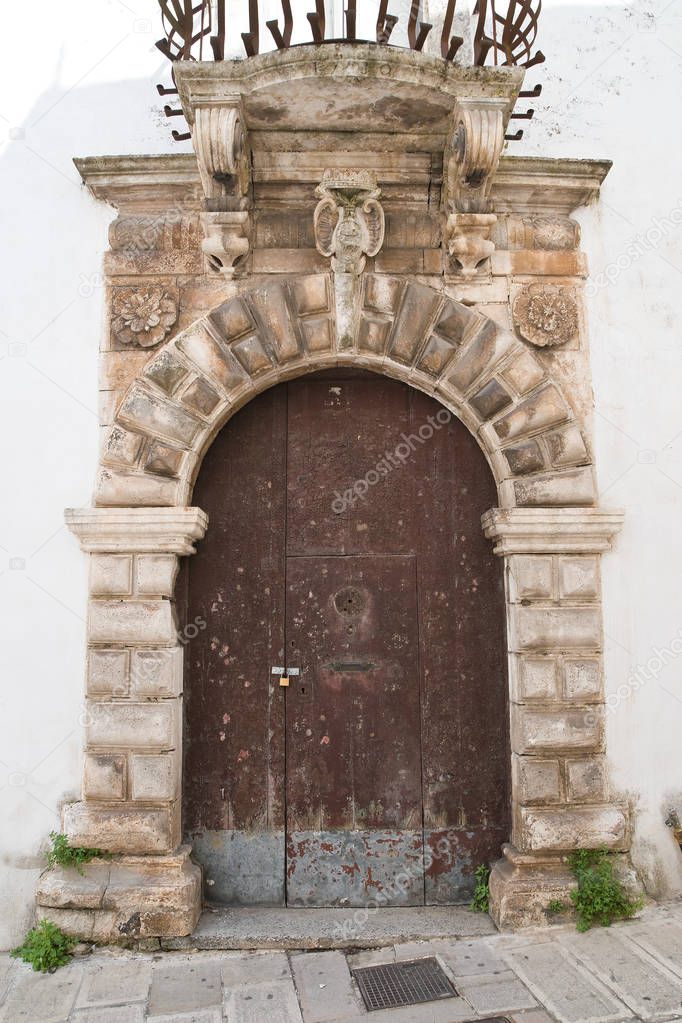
<point x="409" y="983"/>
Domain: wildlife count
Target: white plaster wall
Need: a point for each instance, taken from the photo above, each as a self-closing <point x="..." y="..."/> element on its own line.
<point x="85" y="86"/>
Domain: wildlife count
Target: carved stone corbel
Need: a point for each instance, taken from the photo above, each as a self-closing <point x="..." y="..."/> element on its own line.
<point x="219" y="140"/>
<point x="220" y="144"/>
<point x="227" y="240"/>
<point x="470" y="164"/>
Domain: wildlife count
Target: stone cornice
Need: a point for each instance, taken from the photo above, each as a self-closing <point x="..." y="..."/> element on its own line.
<point x="548" y="531"/>
<point x="137" y="530"/>
<point x="522" y="184"/>
<point x="534" y="184"/>
<point x="144" y="184"/>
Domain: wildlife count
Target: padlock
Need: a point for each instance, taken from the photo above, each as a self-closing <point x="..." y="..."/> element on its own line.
<point x="284" y="680"/>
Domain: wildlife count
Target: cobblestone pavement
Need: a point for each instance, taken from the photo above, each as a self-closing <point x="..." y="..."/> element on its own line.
<point x="629" y="972"/>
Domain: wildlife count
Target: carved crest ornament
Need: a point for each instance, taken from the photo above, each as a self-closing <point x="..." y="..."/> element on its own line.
<point x="546" y="315"/>
<point x="349" y="221"/>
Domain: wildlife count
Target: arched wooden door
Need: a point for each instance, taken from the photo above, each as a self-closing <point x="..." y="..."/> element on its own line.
<point x="344" y="542"/>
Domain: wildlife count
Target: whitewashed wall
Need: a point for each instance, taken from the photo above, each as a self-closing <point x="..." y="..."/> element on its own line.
<point x="85" y="86"/>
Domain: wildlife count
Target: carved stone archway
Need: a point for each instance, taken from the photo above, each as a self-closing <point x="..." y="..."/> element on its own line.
<point x="546" y="527"/>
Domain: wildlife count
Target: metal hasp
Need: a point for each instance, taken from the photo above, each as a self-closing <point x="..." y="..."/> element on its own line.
<point x="504" y="34"/>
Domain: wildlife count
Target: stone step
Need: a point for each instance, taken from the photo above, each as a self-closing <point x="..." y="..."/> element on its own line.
<point x="259" y="927"/>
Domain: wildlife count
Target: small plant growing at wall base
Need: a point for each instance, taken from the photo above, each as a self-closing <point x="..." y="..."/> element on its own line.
<point x="600" y="897"/>
<point x="45" y="947"/>
<point x="480" y="902"/>
<point x="64" y="855"/>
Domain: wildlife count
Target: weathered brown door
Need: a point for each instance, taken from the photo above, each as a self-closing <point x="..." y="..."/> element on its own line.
<point x="353" y="748"/>
<point x="345" y="541"/>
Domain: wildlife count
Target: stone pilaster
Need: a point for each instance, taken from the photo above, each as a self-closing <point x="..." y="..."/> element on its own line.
<point x="560" y="797"/>
<point x="130" y="804"/>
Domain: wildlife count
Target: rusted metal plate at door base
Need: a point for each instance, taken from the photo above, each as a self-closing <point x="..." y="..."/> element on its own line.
<point x="242" y="868"/>
<point x="355" y="868"/>
<point x="451" y="856"/>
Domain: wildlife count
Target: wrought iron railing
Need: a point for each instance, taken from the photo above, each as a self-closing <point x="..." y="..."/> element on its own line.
<point x="504" y="34"/>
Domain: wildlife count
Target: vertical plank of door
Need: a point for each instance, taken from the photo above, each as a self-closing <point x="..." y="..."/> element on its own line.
<point x="234" y="767"/>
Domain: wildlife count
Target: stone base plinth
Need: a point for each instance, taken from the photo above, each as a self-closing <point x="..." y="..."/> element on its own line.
<point x="522" y="886"/>
<point x="124" y="899"/>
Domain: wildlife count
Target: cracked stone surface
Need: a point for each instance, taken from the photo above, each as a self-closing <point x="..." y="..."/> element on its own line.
<point x="628" y="973"/>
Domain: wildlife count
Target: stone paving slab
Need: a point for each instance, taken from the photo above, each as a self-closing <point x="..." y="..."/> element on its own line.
<point x="490" y="994"/>
<point x="188" y="985"/>
<point x="647" y="987"/>
<point x="629" y="973"/>
<point x="325" y="987"/>
<point x="112" y="981"/>
<point x="565" y="988"/>
<point x="41" y="997"/>
<point x="110" y="1014"/>
<point x="263" y="1003"/>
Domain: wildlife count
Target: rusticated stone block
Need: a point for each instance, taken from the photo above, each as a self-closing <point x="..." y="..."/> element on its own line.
<point x="253" y="356"/>
<point x="536" y="780"/>
<point x="567" y="447"/>
<point x="107" y="673"/>
<point x="545" y="408"/>
<point x="576" y="488"/>
<point x="535" y="730"/>
<point x="126" y="898"/>
<point x="524" y="372"/>
<point x="582" y="679"/>
<point x="578" y="577"/>
<point x="166" y="371"/>
<point x="555" y="628"/>
<point x="121" y="447"/>
<point x="163" y="460"/>
<point x="535" y="678"/>
<point x="121" y="829"/>
<point x="586" y="779"/>
<point x="155" y="416"/>
<point x="154" y="778"/>
<point x="201" y="348"/>
<point x="491" y="399"/>
<point x="131" y="621"/>
<point x="560" y="628"/>
<point x="104" y="776"/>
<point x="414" y="321"/>
<point x="111" y="574"/>
<point x="200" y="397"/>
<point x="566" y="828"/>
<point x="312" y="295"/>
<point x="525" y="458"/>
<point x="156" y="673"/>
<point x="484" y="350"/>
<point x="117" y="490"/>
<point x="271" y="307"/>
<point x="530" y="577"/>
<point x="136" y="725"/>
<point x="155" y="574"/>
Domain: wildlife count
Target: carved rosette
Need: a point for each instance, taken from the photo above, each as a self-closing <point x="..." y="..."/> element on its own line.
<point x="142" y="316"/>
<point x="348" y="222"/>
<point x="546" y="314"/>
